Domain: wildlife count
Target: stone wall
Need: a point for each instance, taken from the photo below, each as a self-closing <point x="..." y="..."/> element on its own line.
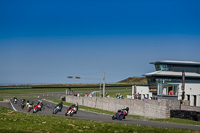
<point x="190" y="108"/>
<point x="147" y="108"/>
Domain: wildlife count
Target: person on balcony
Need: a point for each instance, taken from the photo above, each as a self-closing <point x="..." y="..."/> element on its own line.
<point x="170" y="92"/>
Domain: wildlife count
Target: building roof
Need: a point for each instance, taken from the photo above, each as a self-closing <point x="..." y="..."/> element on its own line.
<point x="171" y="73"/>
<point x="176" y="62"/>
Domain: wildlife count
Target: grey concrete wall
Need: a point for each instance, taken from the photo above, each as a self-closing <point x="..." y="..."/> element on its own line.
<point x="190" y="108"/>
<point x="148" y="108"/>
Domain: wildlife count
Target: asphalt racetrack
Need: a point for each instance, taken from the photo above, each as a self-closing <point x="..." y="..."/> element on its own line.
<point x="82" y="114"/>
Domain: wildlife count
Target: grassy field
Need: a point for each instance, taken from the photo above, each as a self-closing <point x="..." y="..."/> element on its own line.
<point x="23" y="122"/>
<point x="28" y="91"/>
<point x="46" y="90"/>
<point x="134" y="80"/>
<point x="1" y="98"/>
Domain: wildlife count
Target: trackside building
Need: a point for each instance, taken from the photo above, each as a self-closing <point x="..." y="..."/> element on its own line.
<point x="166" y="81"/>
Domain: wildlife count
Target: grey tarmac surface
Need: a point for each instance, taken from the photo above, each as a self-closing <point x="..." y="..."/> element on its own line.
<point x="81" y="114"/>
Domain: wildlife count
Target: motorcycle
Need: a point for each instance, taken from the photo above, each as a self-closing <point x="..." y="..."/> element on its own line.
<point x="56" y="109"/>
<point x="121" y="114"/>
<point x="71" y="111"/>
<point x="30" y="106"/>
<point x="22" y="105"/>
<point x="37" y="108"/>
<point x="15" y="100"/>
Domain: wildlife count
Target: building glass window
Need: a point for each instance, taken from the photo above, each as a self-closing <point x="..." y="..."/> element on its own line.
<point x="157" y="67"/>
<point x="162" y="67"/>
<point x="167" y="89"/>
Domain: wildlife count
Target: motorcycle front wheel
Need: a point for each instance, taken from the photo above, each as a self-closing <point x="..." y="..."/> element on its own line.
<point x="71" y="114"/>
<point x="121" y="117"/>
<point x="113" y="117"/>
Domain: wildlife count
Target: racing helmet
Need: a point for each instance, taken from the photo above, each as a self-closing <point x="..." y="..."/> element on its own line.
<point x="127" y="108"/>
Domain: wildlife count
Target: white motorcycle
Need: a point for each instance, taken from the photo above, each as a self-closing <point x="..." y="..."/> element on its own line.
<point x="30" y="106"/>
<point x="56" y="109"/>
<point x="15" y="101"/>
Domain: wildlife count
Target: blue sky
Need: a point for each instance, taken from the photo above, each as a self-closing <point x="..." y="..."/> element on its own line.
<point x="43" y="42"/>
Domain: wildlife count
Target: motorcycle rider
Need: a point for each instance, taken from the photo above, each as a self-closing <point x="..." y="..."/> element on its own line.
<point x="30" y="106"/>
<point x="40" y="102"/>
<point x="23" y="103"/>
<point x="57" y="108"/>
<point x="60" y="105"/>
<point x="123" y="111"/>
<point x="32" y="103"/>
<point x="27" y="103"/>
<point x="72" y="110"/>
<point x="23" y="100"/>
<point x="74" y="105"/>
<point x="38" y="106"/>
<point x="14" y="100"/>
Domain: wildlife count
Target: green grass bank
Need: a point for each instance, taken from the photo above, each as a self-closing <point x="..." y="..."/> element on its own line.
<point x="23" y="122"/>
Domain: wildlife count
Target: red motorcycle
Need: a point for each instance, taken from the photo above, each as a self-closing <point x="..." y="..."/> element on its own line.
<point x="38" y="107"/>
<point x="72" y="110"/>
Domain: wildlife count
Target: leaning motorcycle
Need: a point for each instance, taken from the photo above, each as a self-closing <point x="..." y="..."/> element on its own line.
<point x="15" y="100"/>
<point x="121" y="114"/>
<point x="71" y="111"/>
<point x="22" y="105"/>
<point x="56" y="109"/>
<point x="37" y="108"/>
<point x="30" y="106"/>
